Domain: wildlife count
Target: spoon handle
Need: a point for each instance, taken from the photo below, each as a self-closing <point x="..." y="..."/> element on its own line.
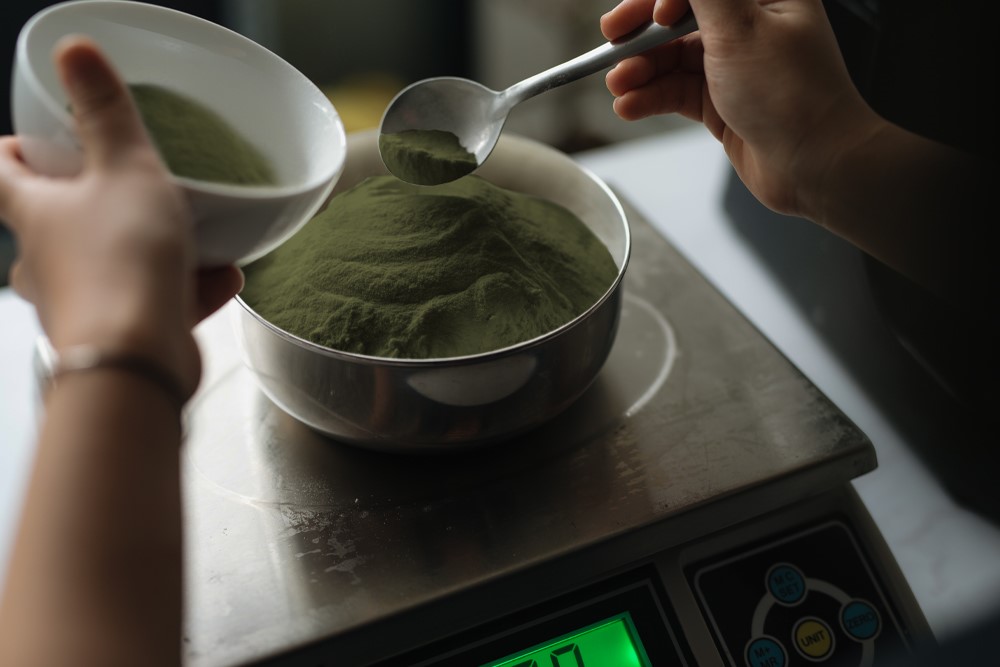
<point x="606" y="55"/>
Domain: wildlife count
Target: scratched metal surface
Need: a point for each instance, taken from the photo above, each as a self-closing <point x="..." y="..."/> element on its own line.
<point x="293" y="537"/>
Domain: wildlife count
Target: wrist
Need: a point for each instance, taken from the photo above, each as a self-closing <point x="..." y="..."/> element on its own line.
<point x="832" y="161"/>
<point x="91" y="359"/>
<point x="140" y="339"/>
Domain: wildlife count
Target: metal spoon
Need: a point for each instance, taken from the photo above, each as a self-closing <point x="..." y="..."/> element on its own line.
<point x="475" y="114"/>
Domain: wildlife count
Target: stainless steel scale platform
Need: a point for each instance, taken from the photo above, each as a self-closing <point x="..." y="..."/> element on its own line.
<point x="694" y="507"/>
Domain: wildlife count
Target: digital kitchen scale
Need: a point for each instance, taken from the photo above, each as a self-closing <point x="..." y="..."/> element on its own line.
<point x="694" y="507"/>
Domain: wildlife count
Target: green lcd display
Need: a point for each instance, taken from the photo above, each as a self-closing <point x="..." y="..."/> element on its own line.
<point x="612" y="642"/>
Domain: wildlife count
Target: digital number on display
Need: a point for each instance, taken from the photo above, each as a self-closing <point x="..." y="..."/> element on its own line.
<point x="612" y="642"/>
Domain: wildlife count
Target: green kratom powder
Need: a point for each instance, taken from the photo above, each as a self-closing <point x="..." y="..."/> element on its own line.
<point x="426" y="157"/>
<point x="195" y="142"/>
<point x="395" y="270"/>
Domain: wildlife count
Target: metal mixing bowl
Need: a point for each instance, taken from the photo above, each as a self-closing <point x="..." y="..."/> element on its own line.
<point x="441" y="404"/>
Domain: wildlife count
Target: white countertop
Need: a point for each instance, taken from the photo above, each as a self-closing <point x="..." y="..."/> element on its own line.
<point x="800" y="286"/>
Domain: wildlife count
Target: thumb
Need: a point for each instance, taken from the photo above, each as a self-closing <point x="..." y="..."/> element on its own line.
<point x="106" y="117"/>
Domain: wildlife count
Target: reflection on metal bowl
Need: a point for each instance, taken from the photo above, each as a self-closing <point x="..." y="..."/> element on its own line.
<point x="439" y="404"/>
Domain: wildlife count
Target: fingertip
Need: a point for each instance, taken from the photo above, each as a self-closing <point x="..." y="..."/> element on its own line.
<point x="614" y="83"/>
<point x="80" y="63"/>
<point x="620" y="108"/>
<point x="629" y="74"/>
<point x="216" y="286"/>
<point x="68" y="43"/>
<point x="240" y="280"/>
<point x="630" y="106"/>
<point x="228" y="279"/>
<point x="657" y="11"/>
<point x="668" y="12"/>
<point x="235" y="280"/>
<point x="625" y="17"/>
<point x="87" y="75"/>
<point x="609" y="79"/>
<point x="608" y="25"/>
<point x="73" y="41"/>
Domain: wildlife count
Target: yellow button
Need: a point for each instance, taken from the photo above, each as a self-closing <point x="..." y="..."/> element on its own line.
<point x="813" y="638"/>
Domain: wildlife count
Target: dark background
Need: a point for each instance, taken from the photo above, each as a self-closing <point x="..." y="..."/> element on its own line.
<point x="15" y="13"/>
<point x="928" y="66"/>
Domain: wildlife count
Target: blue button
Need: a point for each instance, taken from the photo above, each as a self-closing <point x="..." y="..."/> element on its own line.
<point x="765" y="652"/>
<point x="786" y="584"/>
<point x="860" y="620"/>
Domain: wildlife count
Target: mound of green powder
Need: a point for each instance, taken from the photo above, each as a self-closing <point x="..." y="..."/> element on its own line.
<point x="426" y="157"/>
<point x="195" y="142"/>
<point x="395" y="270"/>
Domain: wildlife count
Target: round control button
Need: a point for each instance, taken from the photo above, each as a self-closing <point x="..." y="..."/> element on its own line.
<point x="765" y="652"/>
<point x="813" y="639"/>
<point x="786" y="583"/>
<point x="860" y="620"/>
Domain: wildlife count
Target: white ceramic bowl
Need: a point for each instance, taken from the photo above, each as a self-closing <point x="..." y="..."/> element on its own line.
<point x="263" y="97"/>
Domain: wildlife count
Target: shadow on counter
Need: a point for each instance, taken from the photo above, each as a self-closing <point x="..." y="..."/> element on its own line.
<point x="7" y="253"/>
<point x="844" y="296"/>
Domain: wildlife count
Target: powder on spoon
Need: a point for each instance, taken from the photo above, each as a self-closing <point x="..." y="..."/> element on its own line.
<point x="426" y="157"/>
<point x="395" y="270"/>
<point x="197" y="143"/>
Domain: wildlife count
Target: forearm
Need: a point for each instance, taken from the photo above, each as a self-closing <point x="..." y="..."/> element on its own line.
<point x="910" y="202"/>
<point x="95" y="577"/>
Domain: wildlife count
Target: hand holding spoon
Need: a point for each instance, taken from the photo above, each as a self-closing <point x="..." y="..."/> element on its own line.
<point x="440" y="129"/>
